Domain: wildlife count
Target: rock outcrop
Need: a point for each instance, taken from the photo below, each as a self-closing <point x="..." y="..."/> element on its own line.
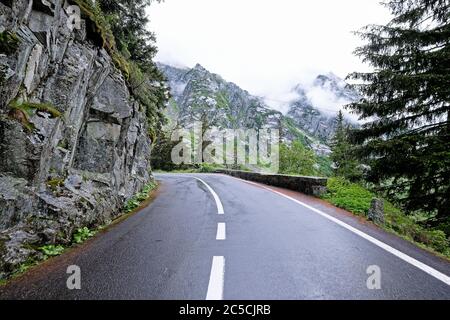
<point x="199" y="95"/>
<point x="376" y="211"/>
<point x="321" y="124"/>
<point x="73" y="142"/>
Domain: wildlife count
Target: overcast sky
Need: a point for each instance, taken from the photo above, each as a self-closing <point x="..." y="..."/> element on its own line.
<point x="264" y="46"/>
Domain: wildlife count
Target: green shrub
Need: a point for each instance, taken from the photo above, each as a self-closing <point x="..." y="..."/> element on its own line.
<point x="52" y="250"/>
<point x="82" y="235"/>
<point x="349" y="196"/>
<point x="357" y="199"/>
<point x="436" y="239"/>
<point x="207" y="168"/>
<point x="297" y="159"/>
<point x="137" y="199"/>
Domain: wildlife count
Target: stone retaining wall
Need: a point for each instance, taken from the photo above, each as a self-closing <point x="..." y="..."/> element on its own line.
<point x="309" y="185"/>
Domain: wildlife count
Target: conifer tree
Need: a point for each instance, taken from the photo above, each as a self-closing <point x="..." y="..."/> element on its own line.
<point x="129" y="21"/>
<point x="345" y="164"/>
<point x="406" y="141"/>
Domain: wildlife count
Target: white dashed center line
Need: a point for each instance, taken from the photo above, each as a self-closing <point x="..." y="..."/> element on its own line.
<point x="221" y="231"/>
<point x="216" y="279"/>
<point x="215" y="196"/>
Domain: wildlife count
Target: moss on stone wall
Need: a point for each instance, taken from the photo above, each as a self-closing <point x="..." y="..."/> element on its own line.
<point x="22" y="111"/>
<point x="9" y="42"/>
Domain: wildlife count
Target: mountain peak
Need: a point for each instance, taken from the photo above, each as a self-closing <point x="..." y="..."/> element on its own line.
<point x="329" y="78"/>
<point x="198" y="66"/>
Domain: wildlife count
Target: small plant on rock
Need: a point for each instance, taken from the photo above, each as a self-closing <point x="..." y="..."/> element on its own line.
<point x="82" y="235"/>
<point x="52" y="250"/>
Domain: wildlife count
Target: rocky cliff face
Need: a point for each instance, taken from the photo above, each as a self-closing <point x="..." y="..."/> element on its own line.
<point x="199" y="95"/>
<point x="73" y="142"/>
<point x="311" y="118"/>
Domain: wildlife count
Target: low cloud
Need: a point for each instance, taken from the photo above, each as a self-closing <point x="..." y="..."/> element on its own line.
<point x="329" y="104"/>
<point x="264" y="46"/>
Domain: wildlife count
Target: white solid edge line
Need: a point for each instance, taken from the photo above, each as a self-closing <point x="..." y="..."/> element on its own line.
<point x="422" y="266"/>
<point x="214" y="194"/>
<point x="221" y="231"/>
<point x="216" y="279"/>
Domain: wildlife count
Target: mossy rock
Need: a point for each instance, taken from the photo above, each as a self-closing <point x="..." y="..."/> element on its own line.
<point x="22" y="111"/>
<point x="55" y="183"/>
<point x="9" y="42"/>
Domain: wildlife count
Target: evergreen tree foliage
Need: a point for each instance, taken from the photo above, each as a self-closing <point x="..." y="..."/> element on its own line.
<point x="128" y="22"/>
<point x="345" y="164"/>
<point x="406" y="141"/>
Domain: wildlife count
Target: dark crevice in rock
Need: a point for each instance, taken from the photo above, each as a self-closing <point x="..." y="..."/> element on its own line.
<point x="7" y="3"/>
<point x="40" y="7"/>
<point x="42" y="37"/>
<point x="99" y="116"/>
<point x="93" y="35"/>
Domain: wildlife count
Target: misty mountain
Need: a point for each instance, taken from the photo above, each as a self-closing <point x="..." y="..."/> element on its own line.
<point x="337" y="86"/>
<point x="319" y="120"/>
<point x="199" y="95"/>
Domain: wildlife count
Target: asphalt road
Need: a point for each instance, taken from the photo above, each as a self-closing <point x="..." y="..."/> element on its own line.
<point x="266" y="247"/>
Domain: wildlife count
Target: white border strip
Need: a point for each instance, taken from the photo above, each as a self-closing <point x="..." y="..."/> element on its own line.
<point x="422" y="266"/>
<point x="214" y="194"/>
<point x="216" y="279"/>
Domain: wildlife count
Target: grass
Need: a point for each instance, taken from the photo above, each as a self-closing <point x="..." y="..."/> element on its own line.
<point x="357" y="199"/>
<point x="208" y="168"/>
<point x="24" y="267"/>
<point x="93" y="12"/>
<point x="42" y="107"/>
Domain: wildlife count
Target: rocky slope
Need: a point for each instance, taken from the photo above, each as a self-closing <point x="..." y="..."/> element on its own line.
<point x="317" y="122"/>
<point x="73" y="142"/>
<point x="199" y="95"/>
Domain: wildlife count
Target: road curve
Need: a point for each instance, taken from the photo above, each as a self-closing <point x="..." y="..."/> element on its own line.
<point x="262" y="246"/>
